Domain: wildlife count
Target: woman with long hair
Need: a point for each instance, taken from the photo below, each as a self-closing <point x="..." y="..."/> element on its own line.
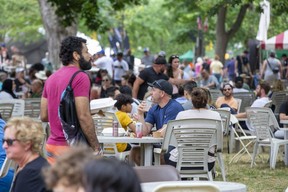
<point x="7" y="90"/>
<point x="175" y="74"/>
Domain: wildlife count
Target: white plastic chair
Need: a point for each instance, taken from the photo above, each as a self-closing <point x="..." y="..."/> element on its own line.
<point x="260" y="119"/>
<point x="7" y="164"/>
<point x="225" y="116"/>
<point x="278" y="98"/>
<point x="19" y="105"/>
<point x="182" y="187"/>
<point x="193" y="139"/>
<point x="105" y="120"/>
<point x="239" y="104"/>
<point x="32" y="107"/>
<point x="247" y="99"/>
<point x="6" y="110"/>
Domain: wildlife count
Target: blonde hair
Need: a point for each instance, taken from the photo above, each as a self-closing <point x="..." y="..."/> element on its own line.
<point x="26" y="129"/>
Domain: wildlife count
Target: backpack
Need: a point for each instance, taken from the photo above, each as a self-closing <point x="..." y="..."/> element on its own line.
<point x="68" y="116"/>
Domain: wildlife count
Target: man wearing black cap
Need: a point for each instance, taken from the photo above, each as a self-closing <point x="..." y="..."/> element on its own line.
<point x="149" y="75"/>
<point x="164" y="110"/>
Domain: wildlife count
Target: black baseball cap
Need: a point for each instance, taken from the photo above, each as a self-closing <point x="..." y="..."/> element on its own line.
<point x="160" y="60"/>
<point x="162" y="85"/>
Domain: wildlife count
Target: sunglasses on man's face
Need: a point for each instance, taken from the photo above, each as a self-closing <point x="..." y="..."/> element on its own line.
<point x="9" y="141"/>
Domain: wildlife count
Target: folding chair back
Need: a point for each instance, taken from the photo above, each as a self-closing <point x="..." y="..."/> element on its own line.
<point x="32" y="107"/>
<point x="215" y="93"/>
<point x="247" y="98"/>
<point x="278" y="98"/>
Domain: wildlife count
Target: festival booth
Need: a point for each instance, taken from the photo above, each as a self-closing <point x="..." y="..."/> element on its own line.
<point x="278" y="43"/>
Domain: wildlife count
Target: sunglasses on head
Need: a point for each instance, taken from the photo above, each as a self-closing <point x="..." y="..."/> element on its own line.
<point x="9" y="141"/>
<point x="156" y="83"/>
<point x="175" y="56"/>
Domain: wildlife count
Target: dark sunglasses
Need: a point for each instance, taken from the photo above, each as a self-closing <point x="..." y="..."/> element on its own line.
<point x="105" y="80"/>
<point x="9" y="141"/>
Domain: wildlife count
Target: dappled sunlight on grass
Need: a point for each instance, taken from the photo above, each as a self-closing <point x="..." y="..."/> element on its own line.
<point x="258" y="178"/>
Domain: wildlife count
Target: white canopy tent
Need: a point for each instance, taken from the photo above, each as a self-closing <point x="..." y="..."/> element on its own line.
<point x="279" y="41"/>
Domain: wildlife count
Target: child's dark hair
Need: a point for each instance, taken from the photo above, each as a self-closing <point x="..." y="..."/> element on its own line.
<point x="122" y="99"/>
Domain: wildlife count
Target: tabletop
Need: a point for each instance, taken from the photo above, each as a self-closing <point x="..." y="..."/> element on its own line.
<point x="224" y="186"/>
<point x="104" y="139"/>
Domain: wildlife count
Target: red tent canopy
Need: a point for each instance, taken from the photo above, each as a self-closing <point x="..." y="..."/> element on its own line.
<point x="277" y="42"/>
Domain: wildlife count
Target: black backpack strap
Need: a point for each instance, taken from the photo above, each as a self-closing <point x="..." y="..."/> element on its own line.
<point x="73" y="76"/>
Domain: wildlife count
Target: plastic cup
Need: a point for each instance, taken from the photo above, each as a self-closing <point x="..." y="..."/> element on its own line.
<point x="139" y="130"/>
<point x="148" y="105"/>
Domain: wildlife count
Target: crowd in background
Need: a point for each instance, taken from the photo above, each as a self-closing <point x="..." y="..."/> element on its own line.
<point x="166" y="81"/>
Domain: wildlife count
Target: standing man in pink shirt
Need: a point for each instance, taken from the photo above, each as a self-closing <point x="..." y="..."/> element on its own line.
<point x="74" y="56"/>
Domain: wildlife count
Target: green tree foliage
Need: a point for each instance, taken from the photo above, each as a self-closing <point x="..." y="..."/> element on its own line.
<point x="20" y="20"/>
<point x="93" y="12"/>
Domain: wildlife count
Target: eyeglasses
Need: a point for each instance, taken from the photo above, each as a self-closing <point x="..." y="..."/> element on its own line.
<point x="9" y="141"/>
<point x="103" y="80"/>
<point x="226" y="89"/>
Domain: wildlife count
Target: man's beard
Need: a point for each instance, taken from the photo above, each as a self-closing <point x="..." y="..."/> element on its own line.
<point x="84" y="65"/>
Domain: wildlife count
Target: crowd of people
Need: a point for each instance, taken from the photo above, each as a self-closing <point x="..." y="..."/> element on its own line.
<point x="174" y="90"/>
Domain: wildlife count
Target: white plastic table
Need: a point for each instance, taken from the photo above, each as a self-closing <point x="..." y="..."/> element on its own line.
<point x="224" y="186"/>
<point x="146" y="144"/>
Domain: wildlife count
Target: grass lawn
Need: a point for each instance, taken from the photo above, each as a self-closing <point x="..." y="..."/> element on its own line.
<point x="258" y="178"/>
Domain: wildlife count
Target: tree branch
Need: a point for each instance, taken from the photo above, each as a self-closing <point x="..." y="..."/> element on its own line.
<point x="240" y="17"/>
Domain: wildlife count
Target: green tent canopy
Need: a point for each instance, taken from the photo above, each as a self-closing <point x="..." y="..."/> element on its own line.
<point x="188" y="56"/>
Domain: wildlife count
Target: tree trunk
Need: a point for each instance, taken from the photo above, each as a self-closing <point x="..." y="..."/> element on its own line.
<point x="223" y="36"/>
<point x="54" y="31"/>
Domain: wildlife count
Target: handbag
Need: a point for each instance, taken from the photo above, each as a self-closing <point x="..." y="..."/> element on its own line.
<point x="275" y="69"/>
<point x="68" y="116"/>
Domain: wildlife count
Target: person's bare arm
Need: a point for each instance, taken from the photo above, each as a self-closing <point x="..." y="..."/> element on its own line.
<point x="132" y="126"/>
<point x="283" y="116"/>
<point x="146" y="126"/>
<point x="44" y="110"/>
<point x="136" y="86"/>
<point x="86" y="121"/>
<point x="263" y="69"/>
<point x="241" y="115"/>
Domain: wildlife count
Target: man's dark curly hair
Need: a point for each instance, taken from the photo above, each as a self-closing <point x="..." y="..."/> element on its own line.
<point x="68" y="46"/>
